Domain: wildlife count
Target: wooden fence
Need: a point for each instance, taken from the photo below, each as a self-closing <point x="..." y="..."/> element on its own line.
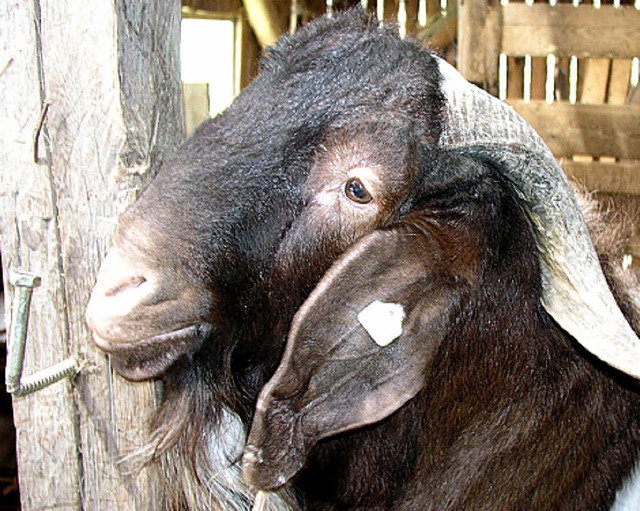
<point x="572" y="72"/>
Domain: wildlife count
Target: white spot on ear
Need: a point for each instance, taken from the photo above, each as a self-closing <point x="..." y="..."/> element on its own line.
<point x="382" y="321"/>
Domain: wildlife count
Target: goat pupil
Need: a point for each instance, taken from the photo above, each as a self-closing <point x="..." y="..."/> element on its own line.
<point x="357" y="192"/>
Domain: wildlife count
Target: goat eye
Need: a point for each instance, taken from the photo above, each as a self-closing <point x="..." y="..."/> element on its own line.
<point x="356" y="192"/>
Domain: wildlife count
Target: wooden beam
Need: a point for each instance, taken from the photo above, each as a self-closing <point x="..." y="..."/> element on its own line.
<point x="269" y="19"/>
<point x="441" y="31"/>
<point x="605" y="177"/>
<point x="596" y="130"/>
<point x="565" y="30"/>
<point x="247" y="54"/>
<point x="593" y="77"/>
<point x="620" y="81"/>
<point x="211" y="9"/>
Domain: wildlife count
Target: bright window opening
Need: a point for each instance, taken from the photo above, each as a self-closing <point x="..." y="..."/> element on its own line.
<point x="207" y="57"/>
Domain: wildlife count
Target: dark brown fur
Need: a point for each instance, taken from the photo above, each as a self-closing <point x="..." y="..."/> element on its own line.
<point x="514" y="413"/>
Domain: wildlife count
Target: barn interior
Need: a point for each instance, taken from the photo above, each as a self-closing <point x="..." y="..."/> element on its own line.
<point x="570" y="68"/>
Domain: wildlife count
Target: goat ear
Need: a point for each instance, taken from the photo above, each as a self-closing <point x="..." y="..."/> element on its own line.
<point x="357" y="351"/>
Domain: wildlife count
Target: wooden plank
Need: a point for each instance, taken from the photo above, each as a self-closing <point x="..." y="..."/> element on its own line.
<point x="593" y="77"/>
<point x="515" y="77"/>
<point x="269" y="19"/>
<point x="147" y="116"/>
<point x="538" y="77"/>
<point x="412" y="16"/>
<point x="597" y="130"/>
<point x="619" y="82"/>
<point x="562" y="85"/>
<point x="390" y="11"/>
<point x="196" y="105"/>
<point x="479" y="35"/>
<point x="114" y="112"/>
<point x="51" y="469"/>
<point x="565" y="30"/>
<point x="605" y="177"/>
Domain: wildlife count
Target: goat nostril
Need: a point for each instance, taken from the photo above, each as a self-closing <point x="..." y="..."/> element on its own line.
<point x="130" y="283"/>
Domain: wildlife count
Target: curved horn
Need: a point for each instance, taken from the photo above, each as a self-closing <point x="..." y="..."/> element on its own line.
<point x="575" y="292"/>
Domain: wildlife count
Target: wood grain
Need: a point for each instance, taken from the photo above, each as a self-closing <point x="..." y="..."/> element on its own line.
<point x="564" y="30"/>
<point x="596" y="130"/>
<point x="114" y="112"/>
<point x="605" y="177"/>
<point x="479" y="37"/>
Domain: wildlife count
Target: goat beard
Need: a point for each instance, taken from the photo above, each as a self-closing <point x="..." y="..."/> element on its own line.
<point x="194" y="451"/>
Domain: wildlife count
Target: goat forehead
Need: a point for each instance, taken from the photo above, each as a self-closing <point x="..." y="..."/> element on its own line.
<point x="304" y="91"/>
<point x="340" y="75"/>
<point x="251" y="163"/>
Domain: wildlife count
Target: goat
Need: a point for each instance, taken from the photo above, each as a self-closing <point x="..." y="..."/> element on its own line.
<point x="395" y="264"/>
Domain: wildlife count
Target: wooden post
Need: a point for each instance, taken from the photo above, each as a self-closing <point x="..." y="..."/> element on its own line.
<point x="90" y="104"/>
<point x="479" y="42"/>
<point x="247" y="53"/>
<point x="268" y="18"/>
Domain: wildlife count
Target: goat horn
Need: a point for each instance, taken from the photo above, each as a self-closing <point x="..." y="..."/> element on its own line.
<point x="575" y="292"/>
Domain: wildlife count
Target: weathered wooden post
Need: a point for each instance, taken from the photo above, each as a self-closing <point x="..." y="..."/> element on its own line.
<point x="90" y="104"/>
<point x="479" y="37"/>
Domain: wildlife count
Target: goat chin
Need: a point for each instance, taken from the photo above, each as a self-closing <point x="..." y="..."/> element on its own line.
<point x="219" y="486"/>
<point x="224" y="488"/>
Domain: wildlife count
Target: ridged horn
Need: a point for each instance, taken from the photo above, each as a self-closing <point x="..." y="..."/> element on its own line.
<point x="575" y="292"/>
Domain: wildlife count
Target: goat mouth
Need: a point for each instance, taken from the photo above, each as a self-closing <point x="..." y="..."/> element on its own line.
<point x="153" y="356"/>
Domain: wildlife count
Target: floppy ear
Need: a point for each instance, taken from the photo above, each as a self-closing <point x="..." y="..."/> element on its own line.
<point x="357" y="351"/>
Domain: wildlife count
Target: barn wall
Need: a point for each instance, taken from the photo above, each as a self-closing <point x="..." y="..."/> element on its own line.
<point x="568" y="70"/>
